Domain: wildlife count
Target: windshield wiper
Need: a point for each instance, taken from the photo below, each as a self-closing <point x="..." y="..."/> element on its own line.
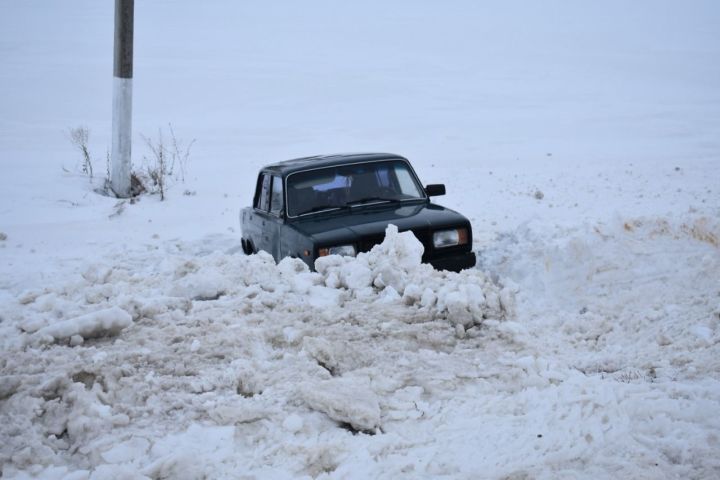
<point x="354" y="203"/>
<point x="323" y="208"/>
<point x="365" y="200"/>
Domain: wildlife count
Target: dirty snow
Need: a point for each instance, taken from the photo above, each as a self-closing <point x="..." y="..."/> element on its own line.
<point x="137" y="341"/>
<point x="605" y="364"/>
<point x="261" y="353"/>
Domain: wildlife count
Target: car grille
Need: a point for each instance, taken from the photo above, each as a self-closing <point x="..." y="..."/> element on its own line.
<point x="369" y="241"/>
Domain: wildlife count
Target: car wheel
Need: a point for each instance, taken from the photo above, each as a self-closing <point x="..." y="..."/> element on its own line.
<point x="246" y="246"/>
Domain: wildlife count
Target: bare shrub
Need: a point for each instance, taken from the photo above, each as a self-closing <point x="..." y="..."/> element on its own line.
<point x="79" y="137"/>
<point x="168" y="161"/>
<point x="179" y="156"/>
<point x="156" y="168"/>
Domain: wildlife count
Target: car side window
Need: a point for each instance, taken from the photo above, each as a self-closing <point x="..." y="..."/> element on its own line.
<point x="407" y="184"/>
<point x="264" y="200"/>
<point x="276" y="197"/>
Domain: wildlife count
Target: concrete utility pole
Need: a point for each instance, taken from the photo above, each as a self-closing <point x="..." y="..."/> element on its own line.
<point x="122" y="98"/>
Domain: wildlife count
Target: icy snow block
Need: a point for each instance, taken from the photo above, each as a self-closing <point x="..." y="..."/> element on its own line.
<point x="389" y="264"/>
<point x="110" y="321"/>
<point x="8" y="386"/>
<point x="345" y="401"/>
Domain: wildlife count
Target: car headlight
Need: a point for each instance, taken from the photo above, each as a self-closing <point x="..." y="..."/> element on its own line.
<point x="450" y="238"/>
<point x="345" y="250"/>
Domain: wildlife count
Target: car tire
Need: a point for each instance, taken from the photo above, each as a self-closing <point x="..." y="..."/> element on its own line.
<point x="247" y="246"/>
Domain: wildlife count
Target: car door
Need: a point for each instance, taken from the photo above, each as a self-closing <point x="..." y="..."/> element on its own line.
<point x="275" y="219"/>
<point x="258" y="218"/>
<point x="267" y="216"/>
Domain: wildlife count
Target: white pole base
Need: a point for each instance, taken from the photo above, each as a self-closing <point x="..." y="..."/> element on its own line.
<point x="121" y="137"/>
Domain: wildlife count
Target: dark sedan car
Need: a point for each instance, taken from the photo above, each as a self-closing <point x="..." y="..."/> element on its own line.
<point x="341" y="204"/>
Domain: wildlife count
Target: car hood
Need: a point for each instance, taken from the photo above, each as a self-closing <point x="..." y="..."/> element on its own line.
<point x="337" y="227"/>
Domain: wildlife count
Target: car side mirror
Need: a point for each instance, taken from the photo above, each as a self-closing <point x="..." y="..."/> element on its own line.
<point x="434" y="190"/>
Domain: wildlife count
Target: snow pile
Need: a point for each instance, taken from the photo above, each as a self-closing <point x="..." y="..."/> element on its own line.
<point x="198" y="363"/>
<point x="394" y="268"/>
<point x="374" y="364"/>
<point x="392" y="264"/>
<point x="164" y="339"/>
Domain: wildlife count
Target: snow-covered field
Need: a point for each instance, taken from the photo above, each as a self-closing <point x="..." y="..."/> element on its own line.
<point x="582" y="139"/>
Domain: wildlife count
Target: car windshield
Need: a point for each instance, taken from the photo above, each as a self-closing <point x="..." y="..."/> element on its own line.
<point x="348" y="185"/>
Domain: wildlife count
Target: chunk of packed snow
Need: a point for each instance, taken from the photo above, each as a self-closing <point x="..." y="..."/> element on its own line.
<point x="344" y="400"/>
<point x="109" y="321"/>
<point x="126" y="451"/>
<point x="8" y="386"/>
<point x="189" y="454"/>
<point x="293" y="423"/>
<point x="322" y="352"/>
<point x="390" y="263"/>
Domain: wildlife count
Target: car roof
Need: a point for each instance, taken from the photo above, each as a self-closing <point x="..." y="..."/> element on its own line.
<point x="319" y="161"/>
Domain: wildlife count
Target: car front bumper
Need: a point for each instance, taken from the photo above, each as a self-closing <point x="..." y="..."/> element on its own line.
<point x="455" y="262"/>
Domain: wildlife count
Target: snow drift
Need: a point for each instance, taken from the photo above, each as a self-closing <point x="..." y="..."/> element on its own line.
<point x="227" y="338"/>
<point x="375" y="364"/>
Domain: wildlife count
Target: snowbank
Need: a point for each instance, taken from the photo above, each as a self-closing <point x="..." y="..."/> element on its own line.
<point x="590" y="343"/>
<point x="227" y="339"/>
